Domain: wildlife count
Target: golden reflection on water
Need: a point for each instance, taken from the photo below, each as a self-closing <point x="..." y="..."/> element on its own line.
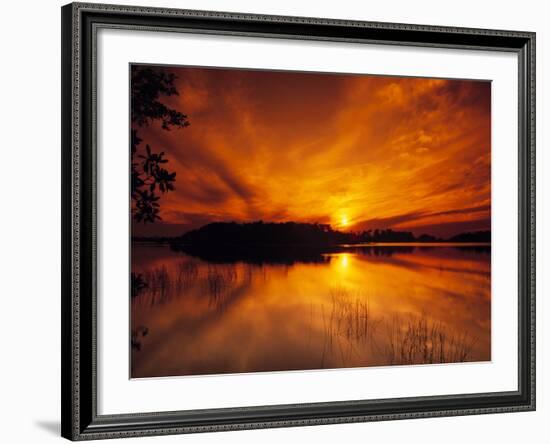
<point x="344" y="261"/>
<point x="365" y="307"/>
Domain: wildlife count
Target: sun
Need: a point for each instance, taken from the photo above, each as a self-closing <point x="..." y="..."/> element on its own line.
<point x="344" y="221"/>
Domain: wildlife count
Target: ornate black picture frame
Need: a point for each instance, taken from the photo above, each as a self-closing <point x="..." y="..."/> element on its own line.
<point x="80" y="420"/>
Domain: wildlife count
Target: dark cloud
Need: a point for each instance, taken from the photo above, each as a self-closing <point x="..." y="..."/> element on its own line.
<point x="447" y="229"/>
<point x="414" y="221"/>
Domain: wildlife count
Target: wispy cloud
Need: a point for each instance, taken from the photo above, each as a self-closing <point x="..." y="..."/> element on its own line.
<point x="387" y="151"/>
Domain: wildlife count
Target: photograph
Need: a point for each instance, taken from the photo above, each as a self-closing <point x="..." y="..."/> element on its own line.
<point x="296" y="221"/>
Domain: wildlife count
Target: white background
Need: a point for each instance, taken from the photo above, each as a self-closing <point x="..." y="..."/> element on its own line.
<point x="29" y="319"/>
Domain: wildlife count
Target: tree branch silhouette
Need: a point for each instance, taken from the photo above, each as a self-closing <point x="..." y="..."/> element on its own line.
<point x="149" y="175"/>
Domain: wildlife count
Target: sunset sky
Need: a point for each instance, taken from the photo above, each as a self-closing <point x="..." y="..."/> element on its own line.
<point x="355" y="151"/>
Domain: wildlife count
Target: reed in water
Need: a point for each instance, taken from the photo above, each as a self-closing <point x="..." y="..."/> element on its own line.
<point x="350" y="328"/>
<point x="417" y="340"/>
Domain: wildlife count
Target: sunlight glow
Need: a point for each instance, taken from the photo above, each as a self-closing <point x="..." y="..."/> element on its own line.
<point x="344" y="260"/>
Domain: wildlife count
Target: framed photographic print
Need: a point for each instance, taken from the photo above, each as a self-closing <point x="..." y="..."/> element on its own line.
<point x="281" y="221"/>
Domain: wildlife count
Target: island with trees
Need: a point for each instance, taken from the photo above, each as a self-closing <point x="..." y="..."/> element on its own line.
<point x="289" y="242"/>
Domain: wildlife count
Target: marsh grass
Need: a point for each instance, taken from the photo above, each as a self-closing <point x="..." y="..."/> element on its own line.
<point x="417" y="340"/>
<point x="220" y="279"/>
<point x="214" y="281"/>
<point x="159" y="285"/>
<point x="186" y="273"/>
<point x="351" y="313"/>
<point x="347" y="325"/>
<point x="163" y="284"/>
<point x="350" y="328"/>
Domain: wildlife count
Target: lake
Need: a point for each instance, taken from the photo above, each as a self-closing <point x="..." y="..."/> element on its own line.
<point x="360" y="306"/>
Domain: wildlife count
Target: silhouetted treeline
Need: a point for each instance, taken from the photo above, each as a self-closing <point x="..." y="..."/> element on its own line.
<point x="477" y="236"/>
<point x="394" y="236"/>
<point x="294" y="233"/>
<point x="260" y="232"/>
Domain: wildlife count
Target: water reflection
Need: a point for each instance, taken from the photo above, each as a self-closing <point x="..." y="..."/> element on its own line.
<point x="351" y="307"/>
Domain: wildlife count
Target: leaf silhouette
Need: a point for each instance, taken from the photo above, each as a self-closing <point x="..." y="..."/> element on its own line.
<point x="148" y="85"/>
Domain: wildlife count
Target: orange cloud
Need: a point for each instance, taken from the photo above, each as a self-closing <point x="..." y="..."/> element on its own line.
<point x="406" y="153"/>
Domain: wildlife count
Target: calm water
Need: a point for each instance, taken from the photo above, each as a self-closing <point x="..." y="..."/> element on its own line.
<point x="366" y="306"/>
